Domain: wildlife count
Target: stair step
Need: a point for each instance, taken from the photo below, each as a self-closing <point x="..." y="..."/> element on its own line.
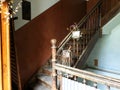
<point x="47" y="70"/>
<point x="40" y="87"/>
<point x="45" y="80"/>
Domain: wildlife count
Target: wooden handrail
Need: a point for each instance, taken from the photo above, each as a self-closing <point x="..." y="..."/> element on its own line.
<point x="112" y="82"/>
<point x="89" y="13"/>
<point x="108" y="81"/>
<point x="90" y="24"/>
<point x="90" y="44"/>
<point x="65" y="40"/>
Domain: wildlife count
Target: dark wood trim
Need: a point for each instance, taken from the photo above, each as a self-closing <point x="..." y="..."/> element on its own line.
<point x="108" y="16"/>
<point x="87" y="51"/>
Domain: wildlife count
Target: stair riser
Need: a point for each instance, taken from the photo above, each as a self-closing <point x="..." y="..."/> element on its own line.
<point x="44" y="83"/>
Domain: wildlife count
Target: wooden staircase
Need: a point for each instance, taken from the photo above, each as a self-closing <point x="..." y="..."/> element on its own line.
<point x="80" y="47"/>
<point x="90" y="31"/>
<point x="89" y="27"/>
<point x="42" y="80"/>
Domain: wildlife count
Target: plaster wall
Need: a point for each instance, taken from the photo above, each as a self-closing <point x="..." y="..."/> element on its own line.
<point x="107" y="48"/>
<point x="37" y="7"/>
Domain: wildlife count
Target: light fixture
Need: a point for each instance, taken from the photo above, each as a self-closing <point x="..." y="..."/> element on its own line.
<point x="76" y="34"/>
<point x="75" y="31"/>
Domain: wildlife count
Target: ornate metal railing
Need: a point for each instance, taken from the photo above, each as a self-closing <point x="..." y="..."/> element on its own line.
<point x="72" y="48"/>
<point x="64" y="76"/>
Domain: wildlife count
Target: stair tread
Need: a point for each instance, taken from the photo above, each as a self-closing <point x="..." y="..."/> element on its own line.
<point x="41" y="87"/>
<point x="45" y="79"/>
<point x="48" y="68"/>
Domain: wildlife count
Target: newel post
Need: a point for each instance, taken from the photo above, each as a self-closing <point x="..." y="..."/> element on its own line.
<point x="54" y="73"/>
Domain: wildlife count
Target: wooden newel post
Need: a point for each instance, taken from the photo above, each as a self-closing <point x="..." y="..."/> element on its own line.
<point x="54" y="73"/>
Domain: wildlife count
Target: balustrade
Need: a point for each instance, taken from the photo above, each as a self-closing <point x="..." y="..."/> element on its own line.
<point x="69" y="78"/>
<point x="73" y="46"/>
<point x="70" y="52"/>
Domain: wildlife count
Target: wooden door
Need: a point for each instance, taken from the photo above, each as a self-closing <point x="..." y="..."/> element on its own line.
<point x="5" y="77"/>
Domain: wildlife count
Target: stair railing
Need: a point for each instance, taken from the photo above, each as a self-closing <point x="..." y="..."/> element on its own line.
<point x="65" y="77"/>
<point x="89" y="26"/>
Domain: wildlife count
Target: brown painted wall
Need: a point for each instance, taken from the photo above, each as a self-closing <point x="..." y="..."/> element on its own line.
<point x="108" y="8"/>
<point x="33" y="39"/>
<point x="91" y="4"/>
<point x="108" y="5"/>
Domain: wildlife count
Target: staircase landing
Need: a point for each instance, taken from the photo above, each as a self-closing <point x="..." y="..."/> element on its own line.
<point x="42" y="80"/>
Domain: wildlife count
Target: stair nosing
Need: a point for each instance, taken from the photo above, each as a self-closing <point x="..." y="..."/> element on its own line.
<point x="41" y="79"/>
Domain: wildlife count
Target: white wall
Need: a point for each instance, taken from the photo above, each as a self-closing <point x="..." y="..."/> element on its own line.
<point x="37" y="7"/>
<point x="111" y="24"/>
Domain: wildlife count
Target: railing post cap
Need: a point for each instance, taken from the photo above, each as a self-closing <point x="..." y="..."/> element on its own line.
<point x="53" y="41"/>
